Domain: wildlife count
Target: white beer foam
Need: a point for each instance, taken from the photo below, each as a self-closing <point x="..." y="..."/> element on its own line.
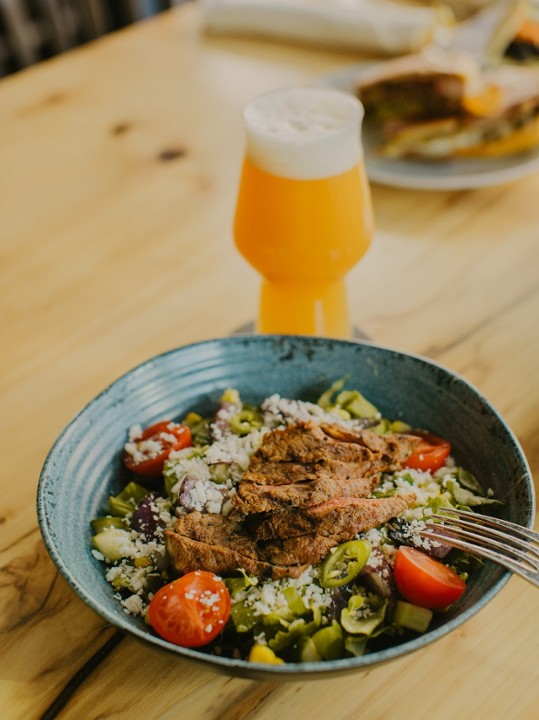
<point x="304" y="133"/>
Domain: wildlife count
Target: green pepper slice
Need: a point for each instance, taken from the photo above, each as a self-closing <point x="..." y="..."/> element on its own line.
<point x="246" y="420"/>
<point x="328" y="641"/>
<point x="125" y="502"/>
<point x="344" y="563"/>
<point x="102" y="523"/>
<point x="364" y="614"/>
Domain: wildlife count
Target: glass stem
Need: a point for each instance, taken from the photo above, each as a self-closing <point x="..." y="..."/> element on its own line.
<point x="300" y="308"/>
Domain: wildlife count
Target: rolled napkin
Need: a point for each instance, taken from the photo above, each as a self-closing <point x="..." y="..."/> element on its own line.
<point x="379" y="27"/>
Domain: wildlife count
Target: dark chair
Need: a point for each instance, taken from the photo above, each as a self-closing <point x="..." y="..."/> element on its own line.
<point x="32" y="30"/>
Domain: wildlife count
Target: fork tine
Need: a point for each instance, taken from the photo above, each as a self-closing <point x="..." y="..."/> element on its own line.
<point x="517" y="550"/>
<point x="491" y="535"/>
<point x="507" y="562"/>
<point x="512" y="553"/>
<point x="520" y="530"/>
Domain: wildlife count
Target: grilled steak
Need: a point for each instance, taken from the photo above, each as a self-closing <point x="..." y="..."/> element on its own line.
<point x="204" y="541"/>
<point x="305" y="549"/>
<point x="256" y="498"/>
<point x="286" y="473"/>
<point x="339" y="518"/>
<point x="306" y="464"/>
<point x="306" y="442"/>
<point x="325" y="526"/>
<point x="393" y="448"/>
<point x="303" y="493"/>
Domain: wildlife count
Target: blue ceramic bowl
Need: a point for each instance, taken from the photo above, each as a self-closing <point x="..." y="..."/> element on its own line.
<point x="81" y="470"/>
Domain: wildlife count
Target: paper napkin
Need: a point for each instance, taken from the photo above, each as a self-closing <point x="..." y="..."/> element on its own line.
<point x="380" y="27"/>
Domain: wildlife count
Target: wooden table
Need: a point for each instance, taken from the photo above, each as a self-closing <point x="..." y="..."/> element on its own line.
<point x="119" y="165"/>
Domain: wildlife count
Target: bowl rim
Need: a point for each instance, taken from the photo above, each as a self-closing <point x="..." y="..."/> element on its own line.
<point x="246" y="668"/>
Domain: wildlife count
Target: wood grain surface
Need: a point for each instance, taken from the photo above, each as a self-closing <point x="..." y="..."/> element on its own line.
<point x="119" y="165"/>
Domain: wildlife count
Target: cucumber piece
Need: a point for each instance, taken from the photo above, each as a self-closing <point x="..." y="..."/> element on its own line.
<point x="111" y="543"/>
<point x="411" y="616"/>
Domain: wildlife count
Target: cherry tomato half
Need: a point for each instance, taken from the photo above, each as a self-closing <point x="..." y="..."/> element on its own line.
<point x="146" y="455"/>
<point x="430" y="454"/>
<point x="190" y="611"/>
<point x="424" y="581"/>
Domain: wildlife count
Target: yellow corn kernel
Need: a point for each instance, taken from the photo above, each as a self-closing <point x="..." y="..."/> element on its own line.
<point x="264" y="654"/>
<point x="231" y="395"/>
<point x="142" y="561"/>
<point x="119" y="582"/>
<point x="192" y="417"/>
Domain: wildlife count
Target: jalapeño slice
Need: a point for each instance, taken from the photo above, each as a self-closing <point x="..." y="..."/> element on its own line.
<point x="344" y="563"/>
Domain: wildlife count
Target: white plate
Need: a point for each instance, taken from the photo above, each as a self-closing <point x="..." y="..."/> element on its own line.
<point x="461" y="174"/>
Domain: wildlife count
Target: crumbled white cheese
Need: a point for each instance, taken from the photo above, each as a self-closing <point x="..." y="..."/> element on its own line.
<point x="134" y="605"/>
<point x="168" y="438"/>
<point x="235" y="449"/>
<point x="375" y="560"/>
<point x="142" y="450"/>
<point x="281" y="412"/>
<point x="202" y="495"/>
<point x="184" y="466"/>
<point x="208" y="598"/>
<point x="268" y="597"/>
<point x="135" y="433"/>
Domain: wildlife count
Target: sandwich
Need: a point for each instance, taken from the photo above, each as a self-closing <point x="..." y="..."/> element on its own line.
<point x="438" y="105"/>
<point x="429" y="84"/>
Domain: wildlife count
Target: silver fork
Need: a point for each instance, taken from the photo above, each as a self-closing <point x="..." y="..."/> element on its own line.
<point x="513" y="546"/>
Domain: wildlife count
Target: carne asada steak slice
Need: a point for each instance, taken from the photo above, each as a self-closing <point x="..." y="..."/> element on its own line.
<point x="304" y="549"/>
<point x="304" y="492"/>
<point x="394" y="448"/>
<point x="306" y="464"/>
<point x="252" y="497"/>
<point x="312" y="547"/>
<point x="337" y="518"/>
<point x="287" y="473"/>
<point x="204" y="541"/>
<point x="307" y="442"/>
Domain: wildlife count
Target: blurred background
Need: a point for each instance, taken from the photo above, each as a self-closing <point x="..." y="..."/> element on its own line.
<point x="33" y="30"/>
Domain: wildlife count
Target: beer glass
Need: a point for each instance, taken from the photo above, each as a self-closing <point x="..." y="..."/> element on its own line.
<point x="304" y="214"/>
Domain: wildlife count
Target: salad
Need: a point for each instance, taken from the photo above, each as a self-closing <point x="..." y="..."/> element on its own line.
<point x="285" y="532"/>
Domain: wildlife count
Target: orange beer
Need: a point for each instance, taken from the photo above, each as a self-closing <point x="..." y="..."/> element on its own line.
<point x="304" y="214"/>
